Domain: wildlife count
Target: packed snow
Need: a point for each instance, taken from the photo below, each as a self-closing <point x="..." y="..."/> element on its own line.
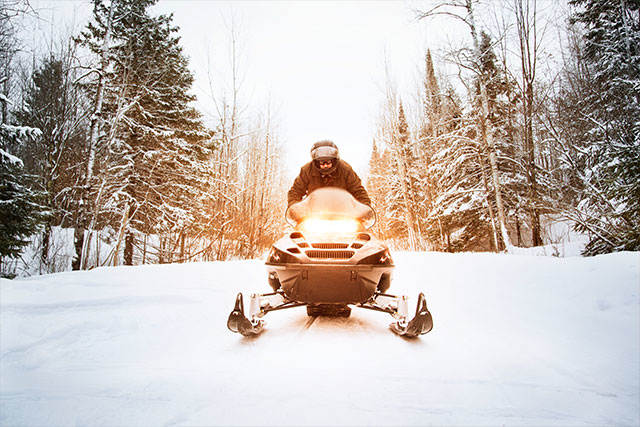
<point x="517" y="340"/>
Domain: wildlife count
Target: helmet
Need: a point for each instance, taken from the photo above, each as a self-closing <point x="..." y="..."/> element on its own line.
<point x="323" y="151"/>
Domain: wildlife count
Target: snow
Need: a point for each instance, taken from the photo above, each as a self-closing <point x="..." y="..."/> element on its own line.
<point x="518" y="340"/>
<point x="21" y="131"/>
<point x="11" y="158"/>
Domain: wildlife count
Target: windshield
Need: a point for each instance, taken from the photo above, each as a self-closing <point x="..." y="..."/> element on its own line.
<point x="331" y="204"/>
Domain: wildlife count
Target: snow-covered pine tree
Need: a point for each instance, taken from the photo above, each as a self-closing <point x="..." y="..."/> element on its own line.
<point x="565" y="125"/>
<point x="405" y="180"/>
<point x="465" y="12"/>
<point x="391" y="224"/>
<point x="428" y="136"/>
<point x="512" y="163"/>
<point x="53" y="104"/>
<point x="377" y="185"/>
<point x="457" y="216"/>
<point x="610" y="207"/>
<point x="157" y="170"/>
<point x="448" y="174"/>
<point x="20" y="208"/>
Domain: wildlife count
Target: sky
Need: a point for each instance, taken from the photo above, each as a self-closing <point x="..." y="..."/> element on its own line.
<point x="319" y="64"/>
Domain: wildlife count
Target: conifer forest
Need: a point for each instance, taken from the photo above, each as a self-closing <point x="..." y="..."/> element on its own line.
<point x="531" y="116"/>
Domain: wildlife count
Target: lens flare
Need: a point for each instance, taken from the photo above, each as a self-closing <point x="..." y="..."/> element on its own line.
<point x="316" y="225"/>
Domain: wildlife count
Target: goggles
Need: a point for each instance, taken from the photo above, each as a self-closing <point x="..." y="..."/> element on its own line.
<point x="324" y="151"/>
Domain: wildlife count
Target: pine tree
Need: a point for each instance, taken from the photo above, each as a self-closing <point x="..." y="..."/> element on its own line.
<point x="52" y="104"/>
<point x="20" y="209"/>
<point x="465" y="12"/>
<point x="512" y="167"/>
<point x="157" y="167"/>
<point x="610" y="207"/>
<point x="405" y="181"/>
<point x="455" y="217"/>
<point x="377" y="185"/>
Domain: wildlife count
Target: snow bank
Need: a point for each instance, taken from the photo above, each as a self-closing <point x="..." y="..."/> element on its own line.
<point x="517" y="340"/>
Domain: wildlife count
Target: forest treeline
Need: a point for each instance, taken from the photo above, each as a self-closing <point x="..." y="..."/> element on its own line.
<point x="483" y="169"/>
<point x="99" y="135"/>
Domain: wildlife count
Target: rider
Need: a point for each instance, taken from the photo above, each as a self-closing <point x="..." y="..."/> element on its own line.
<point x="327" y="170"/>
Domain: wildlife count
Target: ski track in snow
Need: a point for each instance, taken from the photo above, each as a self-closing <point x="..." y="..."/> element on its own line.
<point x="517" y="340"/>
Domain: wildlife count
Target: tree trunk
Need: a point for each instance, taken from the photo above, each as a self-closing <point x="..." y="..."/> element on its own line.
<point x="97" y="249"/>
<point x="46" y="238"/>
<point x="85" y="249"/>
<point x="526" y="25"/>
<point x="181" y="247"/>
<point x="123" y="226"/>
<point x="487" y="128"/>
<point x="161" y="250"/>
<point x="128" y="248"/>
<point x="518" y="230"/>
<point x="80" y="245"/>
<point x="144" y="250"/>
<point x="531" y="167"/>
<point x="496" y="244"/>
<point x="78" y="241"/>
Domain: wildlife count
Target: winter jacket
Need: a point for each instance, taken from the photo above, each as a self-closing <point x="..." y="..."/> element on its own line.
<point x="343" y="177"/>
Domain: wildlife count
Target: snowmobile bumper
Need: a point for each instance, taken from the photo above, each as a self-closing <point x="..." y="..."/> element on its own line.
<point x="329" y="283"/>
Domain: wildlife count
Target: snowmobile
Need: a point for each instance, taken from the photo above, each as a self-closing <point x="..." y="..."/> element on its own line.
<point x="328" y="262"/>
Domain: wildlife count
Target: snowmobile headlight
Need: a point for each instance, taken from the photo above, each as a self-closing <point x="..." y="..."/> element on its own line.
<point x="380" y="258"/>
<point x="316" y="225"/>
<point x="277" y="256"/>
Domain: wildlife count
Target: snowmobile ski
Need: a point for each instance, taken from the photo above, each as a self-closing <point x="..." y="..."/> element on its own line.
<point x="421" y="323"/>
<point x="238" y="322"/>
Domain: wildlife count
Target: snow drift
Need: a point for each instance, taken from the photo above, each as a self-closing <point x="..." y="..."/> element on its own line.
<point x="517" y="340"/>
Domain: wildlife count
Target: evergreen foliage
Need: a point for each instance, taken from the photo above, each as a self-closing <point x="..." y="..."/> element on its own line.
<point x="157" y="168"/>
<point x="503" y="100"/>
<point x="53" y="104"/>
<point x="20" y="210"/>
<point x="20" y="207"/>
<point x="609" y="209"/>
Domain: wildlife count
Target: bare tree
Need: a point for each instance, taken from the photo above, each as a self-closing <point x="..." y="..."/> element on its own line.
<point x="527" y="28"/>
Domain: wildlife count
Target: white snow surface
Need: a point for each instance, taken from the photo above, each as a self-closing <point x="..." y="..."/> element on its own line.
<point x="518" y="340"/>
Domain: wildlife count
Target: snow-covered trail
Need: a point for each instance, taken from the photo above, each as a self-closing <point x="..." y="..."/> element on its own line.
<point x="517" y="340"/>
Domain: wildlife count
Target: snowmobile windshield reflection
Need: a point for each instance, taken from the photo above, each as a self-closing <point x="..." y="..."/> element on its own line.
<point x="330" y="210"/>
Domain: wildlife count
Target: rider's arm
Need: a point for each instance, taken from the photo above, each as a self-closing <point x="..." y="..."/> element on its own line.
<point x="299" y="188"/>
<point x="354" y="186"/>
